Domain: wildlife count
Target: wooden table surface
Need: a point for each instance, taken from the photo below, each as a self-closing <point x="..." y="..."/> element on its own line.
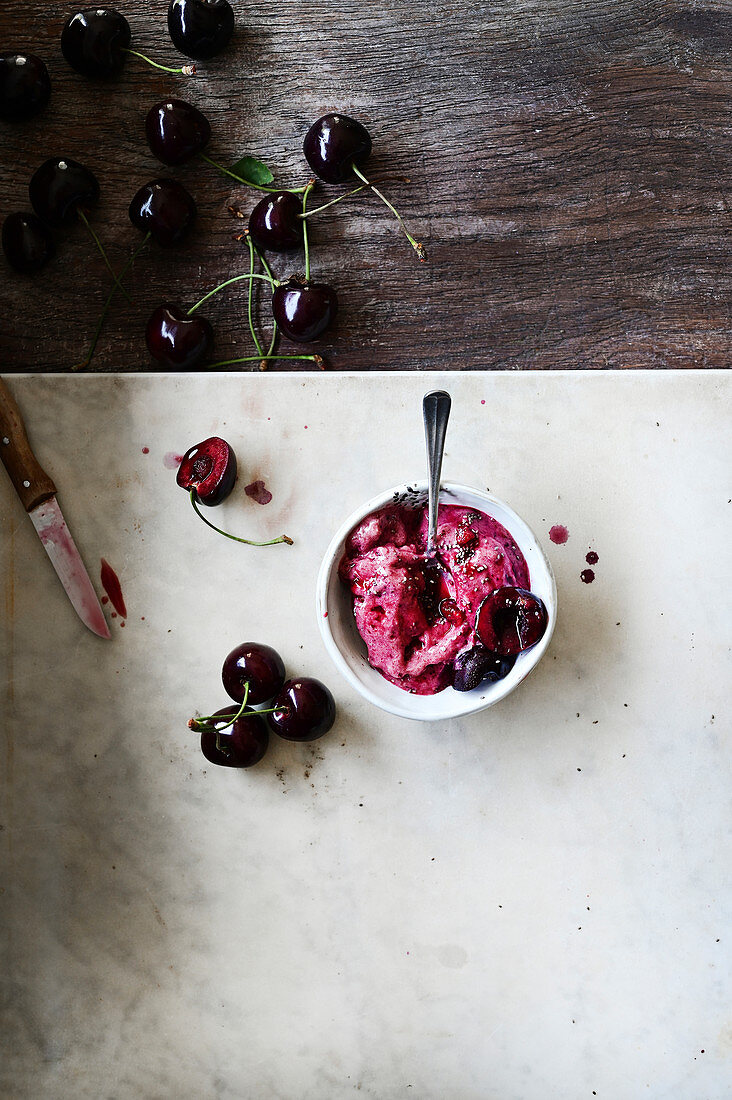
<point x="569" y="165"/>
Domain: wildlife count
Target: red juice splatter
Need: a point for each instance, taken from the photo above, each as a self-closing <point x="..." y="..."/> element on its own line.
<point x="146" y="450"/>
<point x="111" y="585"/>
<point x="105" y="599"/>
<point x="592" y="558"/>
<point x="587" y="575"/>
<point x="258" y="491"/>
<point x="171" y="460"/>
<point x="122" y="623"/>
<point x="558" y="534"/>
<point x="482" y="402"/>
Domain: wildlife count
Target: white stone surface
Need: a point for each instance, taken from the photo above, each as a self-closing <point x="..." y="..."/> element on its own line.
<point x="529" y="904"/>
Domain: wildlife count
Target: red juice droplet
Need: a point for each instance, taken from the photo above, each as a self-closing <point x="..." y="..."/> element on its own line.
<point x="111" y="585"/>
<point x="587" y="575"/>
<point x="146" y="450"/>
<point x="258" y="491"/>
<point x="592" y="558"/>
<point x="558" y="534"/>
<point x="171" y="460"/>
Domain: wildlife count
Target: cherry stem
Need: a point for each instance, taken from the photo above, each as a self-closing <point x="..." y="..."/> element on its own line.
<point x="228" y="282"/>
<point x="347" y="194"/>
<point x="200" y="723"/>
<point x="317" y="359"/>
<point x="105" y="309"/>
<point x="255" y="338"/>
<point x="103" y="253"/>
<point x="247" y="183"/>
<point x="234" y="538"/>
<point x="268" y="272"/>
<point x="305" y="244"/>
<point x="186" y="70"/>
<point x="415" y="244"/>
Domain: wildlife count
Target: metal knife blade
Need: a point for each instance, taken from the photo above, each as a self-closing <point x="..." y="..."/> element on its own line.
<point x="50" y="524"/>
<point x="37" y="493"/>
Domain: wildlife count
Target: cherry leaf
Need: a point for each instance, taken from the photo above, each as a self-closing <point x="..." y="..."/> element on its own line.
<point x="252" y="171"/>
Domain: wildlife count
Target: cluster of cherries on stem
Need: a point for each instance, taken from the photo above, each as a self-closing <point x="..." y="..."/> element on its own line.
<point x="96" y="43"/>
<point x="509" y="621"/>
<point x="253" y="675"/>
<point x="336" y="148"/>
<point x="208" y="473"/>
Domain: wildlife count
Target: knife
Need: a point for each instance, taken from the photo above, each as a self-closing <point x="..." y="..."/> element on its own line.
<point x="37" y="493"/>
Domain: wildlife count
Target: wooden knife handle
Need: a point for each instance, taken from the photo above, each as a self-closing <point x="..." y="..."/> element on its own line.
<point x="31" y="482"/>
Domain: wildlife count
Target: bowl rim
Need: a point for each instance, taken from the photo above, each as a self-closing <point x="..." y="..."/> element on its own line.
<point x="496" y="691"/>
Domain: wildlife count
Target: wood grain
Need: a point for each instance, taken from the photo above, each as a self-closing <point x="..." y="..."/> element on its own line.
<point x="569" y="165"/>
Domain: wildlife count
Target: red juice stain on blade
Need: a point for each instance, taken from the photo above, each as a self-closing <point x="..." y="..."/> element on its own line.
<point x="172" y="460"/>
<point x="258" y="491"/>
<point x="111" y="585"/>
<point x="558" y="534"/>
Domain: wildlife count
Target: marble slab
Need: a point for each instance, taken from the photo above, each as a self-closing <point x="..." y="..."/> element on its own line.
<point x="527" y="904"/>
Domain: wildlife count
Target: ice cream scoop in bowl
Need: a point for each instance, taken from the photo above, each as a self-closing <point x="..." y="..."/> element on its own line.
<point x="371" y="571"/>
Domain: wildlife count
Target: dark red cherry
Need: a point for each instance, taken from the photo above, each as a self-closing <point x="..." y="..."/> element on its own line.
<point x="176" y="131"/>
<point x="165" y="209"/>
<point x="210" y="469"/>
<point x="476" y="665"/>
<point x="304" y="710"/>
<point x="275" y="224"/>
<point x="304" y="310"/>
<point x="176" y="340"/>
<point x="59" y="187"/>
<point x="95" y="41"/>
<point x="200" y="28"/>
<point x="255" y="664"/>
<point x="27" y="242"/>
<point x="511" y="620"/>
<point x="333" y="144"/>
<point x="25" y="86"/>
<point x="241" y="745"/>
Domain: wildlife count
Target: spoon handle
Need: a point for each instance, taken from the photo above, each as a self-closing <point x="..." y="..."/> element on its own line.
<point x="436" y="412"/>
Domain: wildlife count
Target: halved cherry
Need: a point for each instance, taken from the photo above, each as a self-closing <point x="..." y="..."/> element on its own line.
<point x="511" y="620"/>
<point x="209" y="468"/>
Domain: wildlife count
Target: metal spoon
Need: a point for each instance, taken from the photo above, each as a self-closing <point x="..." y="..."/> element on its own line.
<point x="435" y="412"/>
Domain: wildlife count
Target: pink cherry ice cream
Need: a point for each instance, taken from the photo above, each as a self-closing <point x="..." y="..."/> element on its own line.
<point x="415" y="613"/>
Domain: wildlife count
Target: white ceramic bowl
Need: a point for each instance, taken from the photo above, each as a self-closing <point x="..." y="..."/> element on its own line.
<point x="348" y="651"/>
